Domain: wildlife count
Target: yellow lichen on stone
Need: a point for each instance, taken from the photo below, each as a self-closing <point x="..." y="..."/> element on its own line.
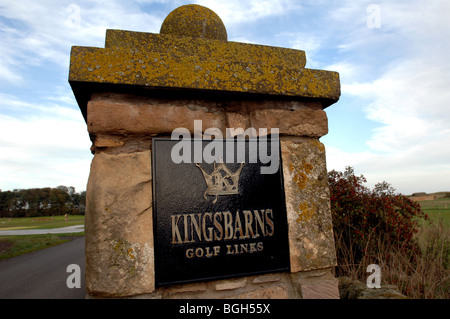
<point x="319" y="145"/>
<point x="305" y="212"/>
<point x="130" y="253"/>
<point x="222" y="69"/>
<point x="301" y="173"/>
<point x="300" y="179"/>
<point x="124" y="249"/>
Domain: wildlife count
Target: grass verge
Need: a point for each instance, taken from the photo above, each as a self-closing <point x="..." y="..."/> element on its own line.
<point x="12" y="246"/>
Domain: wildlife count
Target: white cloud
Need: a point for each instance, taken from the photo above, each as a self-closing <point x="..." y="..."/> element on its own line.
<point x="310" y="43"/>
<point x="420" y="168"/>
<point x="43" y="151"/>
<point x="43" y="138"/>
<point x="42" y="145"/>
<point x="8" y="75"/>
<point x="406" y="92"/>
<point x="44" y="30"/>
<point x="410" y="103"/>
<point x="410" y="147"/>
<point x="236" y="11"/>
<point x="347" y="73"/>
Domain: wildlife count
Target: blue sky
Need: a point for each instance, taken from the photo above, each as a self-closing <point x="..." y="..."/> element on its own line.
<point x="391" y="123"/>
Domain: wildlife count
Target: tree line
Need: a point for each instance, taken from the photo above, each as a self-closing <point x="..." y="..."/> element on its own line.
<point x="46" y="201"/>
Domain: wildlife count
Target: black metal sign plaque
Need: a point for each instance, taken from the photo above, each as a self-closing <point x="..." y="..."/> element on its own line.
<point x="217" y="219"/>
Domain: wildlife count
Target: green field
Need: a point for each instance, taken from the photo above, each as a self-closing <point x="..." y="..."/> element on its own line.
<point x="43" y="222"/>
<point x="438" y="209"/>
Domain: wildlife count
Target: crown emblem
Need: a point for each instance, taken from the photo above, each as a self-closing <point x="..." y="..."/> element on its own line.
<point x="221" y="181"/>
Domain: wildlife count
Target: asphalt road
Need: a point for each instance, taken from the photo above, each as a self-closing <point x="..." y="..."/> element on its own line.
<point x="43" y="274"/>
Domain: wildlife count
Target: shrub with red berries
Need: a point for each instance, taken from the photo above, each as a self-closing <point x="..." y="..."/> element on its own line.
<point x="366" y="221"/>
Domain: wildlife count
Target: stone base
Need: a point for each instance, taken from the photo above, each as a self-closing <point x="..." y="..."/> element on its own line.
<point x="119" y="214"/>
<point x="317" y="284"/>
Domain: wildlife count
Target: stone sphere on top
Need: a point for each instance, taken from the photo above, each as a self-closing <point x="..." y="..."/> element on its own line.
<point x="194" y="21"/>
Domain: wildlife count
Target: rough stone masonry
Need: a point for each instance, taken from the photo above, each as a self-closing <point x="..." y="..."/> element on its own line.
<point x="143" y="85"/>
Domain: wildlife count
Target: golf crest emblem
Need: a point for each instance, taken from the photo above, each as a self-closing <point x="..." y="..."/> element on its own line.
<point x="221" y="181"/>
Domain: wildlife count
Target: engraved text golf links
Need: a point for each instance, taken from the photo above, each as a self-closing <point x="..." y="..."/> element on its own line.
<point x="216" y="220"/>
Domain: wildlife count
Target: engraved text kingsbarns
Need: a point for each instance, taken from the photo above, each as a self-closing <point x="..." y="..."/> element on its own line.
<point x="220" y="226"/>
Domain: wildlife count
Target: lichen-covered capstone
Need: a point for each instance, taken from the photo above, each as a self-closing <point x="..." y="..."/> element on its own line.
<point x="195" y="57"/>
<point x="194" y="21"/>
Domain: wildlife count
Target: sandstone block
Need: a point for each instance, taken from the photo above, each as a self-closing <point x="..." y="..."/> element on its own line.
<point x="325" y="289"/>
<point x="187" y="288"/>
<point x="237" y="120"/>
<point x="119" y="239"/>
<point x="310" y="228"/>
<point x="266" y="278"/>
<point x="275" y="292"/>
<point x="102" y="141"/>
<point x="231" y="284"/>
<point x="301" y="122"/>
<point x="150" y="116"/>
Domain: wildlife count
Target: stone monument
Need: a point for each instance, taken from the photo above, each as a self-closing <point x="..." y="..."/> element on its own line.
<point x="141" y="88"/>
